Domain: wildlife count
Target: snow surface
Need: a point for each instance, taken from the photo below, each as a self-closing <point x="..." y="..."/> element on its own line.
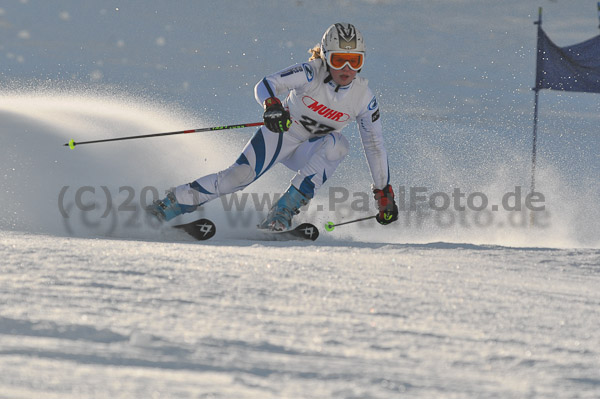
<point x="118" y="318"/>
<point x="96" y="301"/>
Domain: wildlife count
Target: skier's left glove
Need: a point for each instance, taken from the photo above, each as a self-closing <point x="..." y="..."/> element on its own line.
<point x="277" y="119"/>
<point x="388" y="210"/>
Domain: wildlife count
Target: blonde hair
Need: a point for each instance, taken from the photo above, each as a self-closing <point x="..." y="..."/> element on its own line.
<point x="315" y="52"/>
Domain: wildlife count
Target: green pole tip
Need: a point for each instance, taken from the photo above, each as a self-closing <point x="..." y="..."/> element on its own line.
<point x="72" y="144"/>
<point x="329" y="226"/>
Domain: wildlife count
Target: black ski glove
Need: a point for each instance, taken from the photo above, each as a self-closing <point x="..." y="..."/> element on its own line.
<point x="277" y="119"/>
<point x="388" y="210"/>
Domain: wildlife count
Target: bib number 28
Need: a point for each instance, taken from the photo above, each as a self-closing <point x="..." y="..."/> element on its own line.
<point x="315" y="127"/>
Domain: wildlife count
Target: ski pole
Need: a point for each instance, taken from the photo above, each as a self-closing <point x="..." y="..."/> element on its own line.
<point x="329" y="226"/>
<point x="72" y="143"/>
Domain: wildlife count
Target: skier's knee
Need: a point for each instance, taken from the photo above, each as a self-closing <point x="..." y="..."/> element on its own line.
<point x="336" y="147"/>
<point x="235" y="177"/>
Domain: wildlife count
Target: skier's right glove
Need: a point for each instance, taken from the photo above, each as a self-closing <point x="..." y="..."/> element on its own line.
<point x="388" y="210"/>
<point x="277" y="119"/>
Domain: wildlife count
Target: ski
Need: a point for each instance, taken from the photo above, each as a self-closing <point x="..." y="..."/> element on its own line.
<point x="305" y="231"/>
<point x="204" y="229"/>
<point x="201" y="229"/>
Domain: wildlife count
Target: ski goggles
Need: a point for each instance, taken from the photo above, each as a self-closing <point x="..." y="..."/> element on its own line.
<point x="354" y="60"/>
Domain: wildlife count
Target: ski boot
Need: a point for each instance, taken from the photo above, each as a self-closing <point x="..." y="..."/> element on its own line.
<point x="168" y="208"/>
<point x="281" y="214"/>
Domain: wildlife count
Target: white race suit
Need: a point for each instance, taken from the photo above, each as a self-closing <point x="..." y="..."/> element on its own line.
<point x="313" y="147"/>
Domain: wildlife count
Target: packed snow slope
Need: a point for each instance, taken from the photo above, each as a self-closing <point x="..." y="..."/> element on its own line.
<point x="96" y="318"/>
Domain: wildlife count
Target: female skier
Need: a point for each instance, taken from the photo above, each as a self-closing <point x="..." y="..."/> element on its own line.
<point x="304" y="133"/>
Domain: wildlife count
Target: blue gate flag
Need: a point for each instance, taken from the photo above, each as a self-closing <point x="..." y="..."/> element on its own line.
<point x="571" y="68"/>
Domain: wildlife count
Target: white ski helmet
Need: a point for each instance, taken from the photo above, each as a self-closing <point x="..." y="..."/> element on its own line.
<point x="342" y="37"/>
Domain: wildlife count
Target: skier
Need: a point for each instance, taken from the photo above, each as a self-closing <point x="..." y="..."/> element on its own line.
<point x="323" y="96"/>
